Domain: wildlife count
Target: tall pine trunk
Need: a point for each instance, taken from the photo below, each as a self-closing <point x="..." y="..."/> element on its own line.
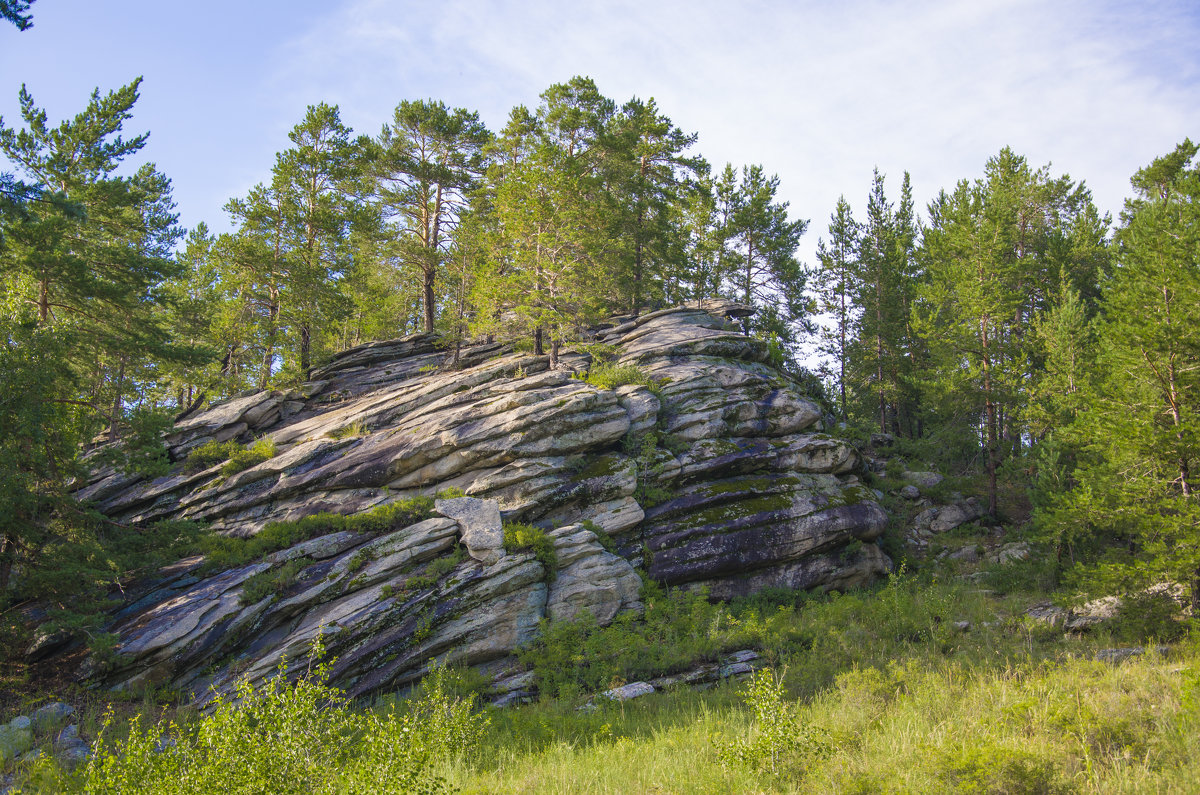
<point x="989" y="408"/>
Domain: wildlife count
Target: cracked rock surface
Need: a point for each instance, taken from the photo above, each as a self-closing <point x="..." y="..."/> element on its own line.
<point x="720" y="478"/>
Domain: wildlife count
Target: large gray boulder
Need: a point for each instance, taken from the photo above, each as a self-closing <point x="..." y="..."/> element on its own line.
<point x="719" y="476"/>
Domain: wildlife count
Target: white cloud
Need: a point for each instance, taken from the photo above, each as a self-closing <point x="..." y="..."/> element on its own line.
<point x="818" y="92"/>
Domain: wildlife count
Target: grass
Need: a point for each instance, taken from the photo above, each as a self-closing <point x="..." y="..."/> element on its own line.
<point x="880" y="694"/>
<point x="611" y="376"/>
<point x="869" y="691"/>
<point x="352" y="431"/>
<point x="224" y="552"/>
<point x="520" y="537"/>
<point x="1021" y="727"/>
<point x="236" y="458"/>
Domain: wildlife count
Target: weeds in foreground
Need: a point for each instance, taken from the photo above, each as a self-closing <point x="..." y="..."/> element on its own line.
<point x="878" y="692"/>
<point x="287" y="737"/>
<point x="779" y="740"/>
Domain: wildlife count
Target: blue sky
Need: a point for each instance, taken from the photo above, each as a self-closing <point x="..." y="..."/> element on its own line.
<point x="817" y="92"/>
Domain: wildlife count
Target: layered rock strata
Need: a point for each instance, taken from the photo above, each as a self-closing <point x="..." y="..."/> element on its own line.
<point x="718" y="478"/>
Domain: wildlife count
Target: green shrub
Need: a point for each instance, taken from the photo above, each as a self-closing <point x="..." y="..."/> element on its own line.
<point x="209" y="454"/>
<point x="358" y="560"/>
<point x="79" y="567"/>
<point x="449" y="493"/>
<point x="645" y="449"/>
<point x="285" y="737"/>
<point x="779" y="741"/>
<point x="435" y="571"/>
<point x="236" y="457"/>
<point x="677" y="631"/>
<point x="602" y="353"/>
<point x="242" y="459"/>
<point x="993" y="768"/>
<point x="141" y="450"/>
<point x="523" y="537"/>
<point x="1147" y="616"/>
<point x="602" y="536"/>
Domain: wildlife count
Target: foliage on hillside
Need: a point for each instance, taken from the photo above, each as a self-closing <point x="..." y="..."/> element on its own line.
<point x="871" y="691"/>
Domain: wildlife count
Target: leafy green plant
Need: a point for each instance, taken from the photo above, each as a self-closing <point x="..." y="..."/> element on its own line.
<point x="779" y="741"/>
<point x="288" y="737"/>
<point x="449" y="493"/>
<point x="520" y="537"/>
<point x="242" y="459"/>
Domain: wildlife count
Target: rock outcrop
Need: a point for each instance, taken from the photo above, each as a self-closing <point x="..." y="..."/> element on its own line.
<point x="720" y="478"/>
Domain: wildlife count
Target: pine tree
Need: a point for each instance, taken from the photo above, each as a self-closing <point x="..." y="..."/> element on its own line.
<point x="996" y="254"/>
<point x="836" y="285"/>
<point x="430" y="159"/>
<point x="314" y="181"/>
<point x="875" y="267"/>
<point x="653" y="178"/>
<point x="764" y="272"/>
<point x="1136" y="487"/>
<point x="554" y="256"/>
<point x="83" y="331"/>
<point x="92" y="259"/>
<point x="17" y="12"/>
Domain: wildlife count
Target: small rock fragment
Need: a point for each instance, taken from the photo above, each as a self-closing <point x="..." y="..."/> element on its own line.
<point x="626" y="692"/>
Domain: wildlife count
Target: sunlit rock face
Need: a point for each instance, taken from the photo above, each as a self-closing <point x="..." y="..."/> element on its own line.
<point x="721" y="478"/>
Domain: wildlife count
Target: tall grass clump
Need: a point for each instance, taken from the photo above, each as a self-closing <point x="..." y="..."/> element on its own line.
<point x="611" y="376"/>
<point x="236" y="457"/>
<point x="520" y="537"/>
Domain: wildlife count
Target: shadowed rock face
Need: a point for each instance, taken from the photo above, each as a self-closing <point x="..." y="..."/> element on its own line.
<point x="741" y="491"/>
